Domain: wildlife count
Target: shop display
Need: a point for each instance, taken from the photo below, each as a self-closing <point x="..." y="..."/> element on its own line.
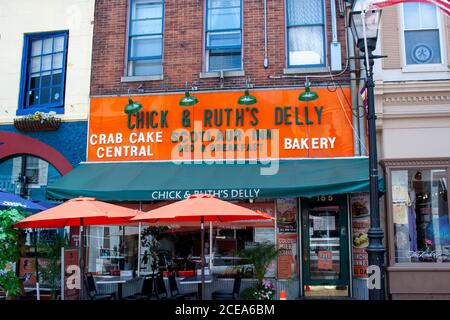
<point x="420" y="215"/>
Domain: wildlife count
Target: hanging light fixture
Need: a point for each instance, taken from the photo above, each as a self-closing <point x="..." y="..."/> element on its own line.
<point x="132" y="107"/>
<point x="247" y="99"/>
<point x="308" y="95"/>
<point x="188" y="100"/>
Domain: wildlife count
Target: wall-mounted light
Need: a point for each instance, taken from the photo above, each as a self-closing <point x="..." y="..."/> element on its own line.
<point x="308" y="95"/>
<point x="188" y="100"/>
<point x="132" y="107"/>
<point x="247" y="99"/>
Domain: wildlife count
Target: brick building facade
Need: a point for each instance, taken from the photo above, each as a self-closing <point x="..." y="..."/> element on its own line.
<point x="184" y="54"/>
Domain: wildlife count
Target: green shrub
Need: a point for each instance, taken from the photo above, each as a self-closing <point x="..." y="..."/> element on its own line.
<point x="9" y="250"/>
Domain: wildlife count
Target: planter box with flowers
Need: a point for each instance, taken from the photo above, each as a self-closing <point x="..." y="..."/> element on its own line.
<point x="263" y="291"/>
<point x="260" y="257"/>
<point x="39" y="121"/>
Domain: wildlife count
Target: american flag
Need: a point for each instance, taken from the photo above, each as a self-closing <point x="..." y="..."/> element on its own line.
<point x="444" y="5"/>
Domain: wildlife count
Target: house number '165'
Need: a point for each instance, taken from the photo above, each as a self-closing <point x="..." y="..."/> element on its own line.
<point x="324" y="198"/>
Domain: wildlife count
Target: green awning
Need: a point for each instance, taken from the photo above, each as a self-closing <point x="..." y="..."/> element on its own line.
<point x="144" y="181"/>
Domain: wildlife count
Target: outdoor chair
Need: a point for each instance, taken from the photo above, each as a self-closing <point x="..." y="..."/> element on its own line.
<point x="161" y="291"/>
<point x="229" y="295"/>
<point x="175" y="293"/>
<point x="147" y="291"/>
<point x="92" y="290"/>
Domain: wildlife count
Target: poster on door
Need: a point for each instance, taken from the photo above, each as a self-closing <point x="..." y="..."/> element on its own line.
<point x="287" y="265"/>
<point x="360" y="225"/>
<point x="324" y="260"/>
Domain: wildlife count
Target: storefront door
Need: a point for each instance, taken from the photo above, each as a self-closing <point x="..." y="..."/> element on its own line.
<point x="325" y="260"/>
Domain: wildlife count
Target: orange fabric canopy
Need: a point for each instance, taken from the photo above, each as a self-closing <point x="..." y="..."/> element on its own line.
<point x="197" y="206"/>
<point x="78" y="212"/>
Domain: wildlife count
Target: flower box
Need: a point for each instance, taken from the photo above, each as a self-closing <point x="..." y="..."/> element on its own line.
<point x="37" y="122"/>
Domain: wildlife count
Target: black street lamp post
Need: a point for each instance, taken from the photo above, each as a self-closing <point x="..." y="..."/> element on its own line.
<point x="365" y="31"/>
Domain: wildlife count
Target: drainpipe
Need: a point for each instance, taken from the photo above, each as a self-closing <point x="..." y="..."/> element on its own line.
<point x="333" y="21"/>
<point x="266" y="56"/>
<point x="355" y="94"/>
<point x="335" y="46"/>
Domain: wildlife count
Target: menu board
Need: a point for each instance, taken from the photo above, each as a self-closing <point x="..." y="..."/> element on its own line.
<point x="27" y="270"/>
<point x="71" y="278"/>
<point x="360" y="206"/>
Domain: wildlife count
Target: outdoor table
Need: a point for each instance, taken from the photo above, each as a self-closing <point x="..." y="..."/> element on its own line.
<point x="197" y="280"/>
<point x="115" y="280"/>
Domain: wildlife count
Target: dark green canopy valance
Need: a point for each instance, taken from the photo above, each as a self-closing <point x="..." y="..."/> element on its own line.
<point x="144" y="181"/>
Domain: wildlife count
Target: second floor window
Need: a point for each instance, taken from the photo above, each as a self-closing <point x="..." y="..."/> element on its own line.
<point x="421" y="34"/>
<point x="145" y="43"/>
<point x="223" y="35"/>
<point x="305" y="33"/>
<point x="43" y="72"/>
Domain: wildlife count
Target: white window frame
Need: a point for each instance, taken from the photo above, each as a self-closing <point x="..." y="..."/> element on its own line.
<point x="305" y="68"/>
<point x="435" y="67"/>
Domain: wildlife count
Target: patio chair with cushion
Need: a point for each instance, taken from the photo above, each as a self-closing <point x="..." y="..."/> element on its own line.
<point x="175" y="293"/>
<point x="92" y="290"/>
<point x="229" y="295"/>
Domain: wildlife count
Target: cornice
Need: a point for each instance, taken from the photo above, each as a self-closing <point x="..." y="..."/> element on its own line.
<point x="443" y="162"/>
<point x="396" y="87"/>
<point x="401" y="98"/>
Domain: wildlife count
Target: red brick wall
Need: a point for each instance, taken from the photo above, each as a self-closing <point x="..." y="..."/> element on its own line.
<point x="183" y="46"/>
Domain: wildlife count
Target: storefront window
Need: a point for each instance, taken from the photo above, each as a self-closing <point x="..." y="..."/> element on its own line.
<point x="112" y="249"/>
<point x="27" y="176"/>
<point x="177" y="247"/>
<point x="420" y="215"/>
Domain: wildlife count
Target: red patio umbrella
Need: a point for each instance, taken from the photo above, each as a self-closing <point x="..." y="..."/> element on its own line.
<point x="79" y="212"/>
<point x="201" y="208"/>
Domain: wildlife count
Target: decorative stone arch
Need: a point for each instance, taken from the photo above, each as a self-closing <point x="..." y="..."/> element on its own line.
<point x="14" y="144"/>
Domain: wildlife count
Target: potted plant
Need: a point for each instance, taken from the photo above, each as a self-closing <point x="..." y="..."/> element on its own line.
<point x="9" y="251"/>
<point x="39" y="121"/>
<point x="50" y="271"/>
<point x="149" y="239"/>
<point x="260" y="256"/>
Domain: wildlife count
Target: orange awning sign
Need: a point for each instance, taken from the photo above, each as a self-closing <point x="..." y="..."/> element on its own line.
<point x="278" y="126"/>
